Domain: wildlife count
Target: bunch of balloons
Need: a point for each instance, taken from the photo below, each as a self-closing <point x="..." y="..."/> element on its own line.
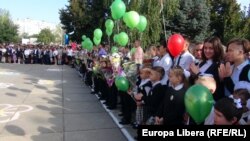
<point x="132" y="20"/>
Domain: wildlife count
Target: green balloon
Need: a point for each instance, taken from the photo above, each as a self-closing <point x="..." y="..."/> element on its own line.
<point x="198" y="102"/>
<point x="122" y="83"/>
<point x="132" y="19"/>
<point x="109" y="24"/>
<point x="83" y="44"/>
<point x="96" y="41"/>
<point x="115" y="38"/>
<point x="88" y="44"/>
<point x="98" y="33"/>
<point x="109" y="32"/>
<point x="123" y="39"/>
<point x="84" y="37"/>
<point x="142" y="24"/>
<point x="114" y="49"/>
<point x="132" y="51"/>
<point x="118" y="9"/>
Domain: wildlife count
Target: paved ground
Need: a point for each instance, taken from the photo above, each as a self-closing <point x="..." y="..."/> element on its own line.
<point x="50" y="103"/>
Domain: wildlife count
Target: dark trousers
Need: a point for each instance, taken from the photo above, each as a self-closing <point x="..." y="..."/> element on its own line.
<point x="128" y="106"/>
<point x="112" y="96"/>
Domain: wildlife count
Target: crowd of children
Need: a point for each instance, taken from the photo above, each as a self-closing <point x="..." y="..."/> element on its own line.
<point x="161" y="84"/>
<point x="157" y="96"/>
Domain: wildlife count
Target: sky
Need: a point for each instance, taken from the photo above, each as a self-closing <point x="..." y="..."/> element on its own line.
<point x="244" y="3"/>
<point x="45" y="10"/>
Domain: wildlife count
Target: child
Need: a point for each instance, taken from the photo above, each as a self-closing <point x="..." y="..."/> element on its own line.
<point x="155" y="96"/>
<point x="242" y="93"/>
<point x="172" y="108"/>
<point x="209" y="82"/>
<point x="227" y="111"/>
<point x="143" y="88"/>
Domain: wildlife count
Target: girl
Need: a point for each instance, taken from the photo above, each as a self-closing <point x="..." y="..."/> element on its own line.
<point x="172" y="108"/>
<point x="243" y="94"/>
<point x="212" y="54"/>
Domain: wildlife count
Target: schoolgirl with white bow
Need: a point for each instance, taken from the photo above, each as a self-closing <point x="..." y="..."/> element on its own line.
<point x="228" y="111"/>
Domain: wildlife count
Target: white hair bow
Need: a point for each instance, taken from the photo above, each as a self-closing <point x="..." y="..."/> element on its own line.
<point x="237" y="102"/>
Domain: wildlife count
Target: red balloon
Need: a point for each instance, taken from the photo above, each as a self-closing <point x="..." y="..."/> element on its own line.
<point x="175" y="44"/>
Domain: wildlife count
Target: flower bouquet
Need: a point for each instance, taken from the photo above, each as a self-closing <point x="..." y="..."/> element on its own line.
<point x="130" y="69"/>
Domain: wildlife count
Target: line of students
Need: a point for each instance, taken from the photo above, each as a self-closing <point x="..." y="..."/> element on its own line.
<point x="160" y="91"/>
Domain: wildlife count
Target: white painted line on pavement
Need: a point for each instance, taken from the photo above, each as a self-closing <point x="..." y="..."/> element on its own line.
<point x="122" y="128"/>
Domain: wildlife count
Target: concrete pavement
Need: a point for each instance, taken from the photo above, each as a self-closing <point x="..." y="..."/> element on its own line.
<point x="50" y="103"/>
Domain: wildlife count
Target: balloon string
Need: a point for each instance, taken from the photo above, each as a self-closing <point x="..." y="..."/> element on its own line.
<point x="141" y="36"/>
<point x="163" y="19"/>
<point x="109" y="44"/>
<point x="118" y="28"/>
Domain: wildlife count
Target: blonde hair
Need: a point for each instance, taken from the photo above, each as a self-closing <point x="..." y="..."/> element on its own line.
<point x="179" y="72"/>
<point x="207" y="81"/>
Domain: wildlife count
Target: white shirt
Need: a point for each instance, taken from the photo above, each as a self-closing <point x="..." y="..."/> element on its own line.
<point x="237" y="70"/>
<point x="27" y="52"/>
<point x="178" y="87"/>
<point x="4" y="50"/>
<point x="210" y="118"/>
<point x="166" y="63"/>
<point x="206" y="66"/>
<point x="70" y="52"/>
<point x="186" y="59"/>
<point x="236" y="74"/>
<point x="147" y="89"/>
<point x="156" y="61"/>
<point x="55" y="52"/>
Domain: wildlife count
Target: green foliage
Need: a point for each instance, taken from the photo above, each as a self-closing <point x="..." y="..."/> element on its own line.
<point x="82" y="17"/>
<point x="197" y="19"/>
<point x="191" y="19"/>
<point x="226" y="19"/>
<point x="8" y="30"/>
<point x="46" y="36"/>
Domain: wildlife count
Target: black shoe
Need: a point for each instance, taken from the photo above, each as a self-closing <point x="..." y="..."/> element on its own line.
<point x="120" y="114"/>
<point x="111" y="107"/>
<point x="135" y="126"/>
<point x="124" y="122"/>
<point x="136" y="137"/>
<point x="101" y="98"/>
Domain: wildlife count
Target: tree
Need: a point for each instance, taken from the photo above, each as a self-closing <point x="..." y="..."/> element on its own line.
<point x="226" y="19"/>
<point x="192" y="19"/>
<point x="24" y="35"/>
<point x="83" y="17"/>
<point x="8" y="30"/>
<point x="45" y="36"/>
<point x="58" y="34"/>
<point x="248" y="11"/>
